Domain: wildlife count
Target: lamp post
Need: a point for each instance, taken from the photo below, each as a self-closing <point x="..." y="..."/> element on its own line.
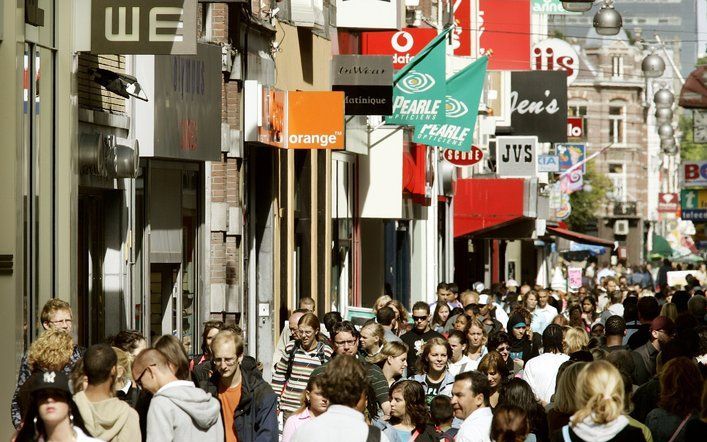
<point x="607" y="20"/>
<point x="664" y="114"/>
<point x="663" y="98"/>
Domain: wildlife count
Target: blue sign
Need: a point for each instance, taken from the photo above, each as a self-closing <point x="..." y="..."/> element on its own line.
<point x="548" y="163"/>
<point x="570" y="154"/>
<point x="694" y="215"/>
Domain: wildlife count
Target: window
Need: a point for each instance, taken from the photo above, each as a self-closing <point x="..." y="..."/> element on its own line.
<point x="617" y="124"/>
<point x="617" y="67"/>
<point x="577" y="110"/>
<point x="617" y="175"/>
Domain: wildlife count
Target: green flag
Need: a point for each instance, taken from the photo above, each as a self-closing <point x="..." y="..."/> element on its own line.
<point x="462" y="104"/>
<point x="419" y="89"/>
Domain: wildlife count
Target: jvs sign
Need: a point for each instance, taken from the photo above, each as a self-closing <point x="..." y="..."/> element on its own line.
<point x="516" y="157"/>
<point x="143" y="27"/>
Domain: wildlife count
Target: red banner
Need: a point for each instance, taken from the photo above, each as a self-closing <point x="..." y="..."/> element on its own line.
<point x="401" y="45"/>
<point x="504" y="27"/>
<point x="461" y="36"/>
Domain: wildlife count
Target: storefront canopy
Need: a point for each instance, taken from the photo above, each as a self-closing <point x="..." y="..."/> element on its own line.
<point x="483" y="205"/>
<point x="579" y="237"/>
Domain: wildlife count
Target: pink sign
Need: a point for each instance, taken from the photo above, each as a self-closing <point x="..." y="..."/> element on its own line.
<point x="574" y="277"/>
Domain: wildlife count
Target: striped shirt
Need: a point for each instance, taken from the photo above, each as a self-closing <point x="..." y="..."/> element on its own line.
<point x="290" y="390"/>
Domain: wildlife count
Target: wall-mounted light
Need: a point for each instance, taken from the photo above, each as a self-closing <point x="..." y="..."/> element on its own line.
<point x="121" y="84"/>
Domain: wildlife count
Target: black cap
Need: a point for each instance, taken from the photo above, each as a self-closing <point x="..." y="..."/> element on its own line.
<point x="54" y="380"/>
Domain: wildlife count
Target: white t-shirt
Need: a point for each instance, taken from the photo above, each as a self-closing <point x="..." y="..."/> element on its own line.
<point x="462" y="365"/>
<point x="338" y="423"/>
<point x="541" y="372"/>
<point x="476" y="427"/>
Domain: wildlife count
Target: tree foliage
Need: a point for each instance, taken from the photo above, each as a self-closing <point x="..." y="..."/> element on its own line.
<point x="689" y="150"/>
<point x="586" y="205"/>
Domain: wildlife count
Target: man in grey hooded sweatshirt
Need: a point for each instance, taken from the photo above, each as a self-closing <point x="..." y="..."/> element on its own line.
<point x="178" y="411"/>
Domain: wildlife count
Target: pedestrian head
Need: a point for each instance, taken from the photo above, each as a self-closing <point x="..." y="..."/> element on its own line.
<point x="615" y="326"/>
<point x="152" y="370"/>
<point x="565" y="399"/>
<point x="470" y="392"/>
<point x="381" y="302"/>
<point x="293" y="322"/>
<point x="476" y="335"/>
<point x="51" y="351"/>
<point x="407" y="403"/>
<point x="517" y="392"/>
<point x="308" y="330"/>
<point x="576" y="339"/>
<point x="495" y="368"/>
<point x="697" y="306"/>
<point x="421" y="315"/>
<point x="500" y="342"/>
<point x="517" y="325"/>
<point x="600" y="393"/>
<point x="552" y="339"/>
<point x="441" y="411"/>
<point x="345" y="383"/>
<point x="130" y="341"/>
<point x="530" y="300"/>
<point x="51" y="408"/>
<point x="458" y="344"/>
<point x="312" y="397"/>
<point x="680" y="387"/>
<point x="372" y="337"/>
<point x="56" y="313"/>
<point x="123" y="367"/>
<point x="330" y="319"/>
<point x="99" y="364"/>
<point x="648" y="309"/>
<point x="345" y="338"/>
<point x="385" y="316"/>
<point x="211" y="329"/>
<point x="462" y="323"/>
<point x="228" y="349"/>
<point x="509" y="424"/>
<point x="307" y="303"/>
<point x="173" y="349"/>
<point x="441" y="314"/>
<point x="393" y="355"/>
<point x="434" y="357"/>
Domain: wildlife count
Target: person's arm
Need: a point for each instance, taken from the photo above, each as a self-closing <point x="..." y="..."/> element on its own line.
<point x="159" y="422"/>
<point x="278" y="376"/>
<point x="22" y="376"/>
<point x="266" y="428"/>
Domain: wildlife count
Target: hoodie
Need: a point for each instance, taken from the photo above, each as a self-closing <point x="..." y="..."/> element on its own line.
<point x="181" y="412"/>
<point x="111" y="419"/>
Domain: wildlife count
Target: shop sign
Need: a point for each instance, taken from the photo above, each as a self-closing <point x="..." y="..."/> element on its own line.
<point x="575" y="127"/>
<point x="273" y="127"/>
<point x="694" y="204"/>
<point x="369" y="14"/>
<point x="143" y="27"/>
<point x="367" y="82"/>
<point x="565" y="209"/>
<point x="180" y="120"/>
<point x="505" y="30"/>
<point x="551" y="7"/>
<point x="315" y="120"/>
<point x="694" y="173"/>
<point x="574" y="277"/>
<point x="572" y="182"/>
<point x="539" y="105"/>
<point x="668" y="202"/>
<point x="461" y="39"/>
<point x="553" y="54"/>
<point x="463" y="159"/>
<point x="571" y="154"/>
<point x="402" y="46"/>
<point x="516" y="157"/>
<point x="548" y="163"/>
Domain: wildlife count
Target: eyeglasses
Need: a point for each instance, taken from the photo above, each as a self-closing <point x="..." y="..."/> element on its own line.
<point x="227" y="361"/>
<point x="348" y="343"/>
<point x="419" y="318"/>
<point x="138" y="380"/>
<point x="306" y="332"/>
<point x="503" y="348"/>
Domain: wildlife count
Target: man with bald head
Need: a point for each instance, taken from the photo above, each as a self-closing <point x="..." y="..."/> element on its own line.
<point x="178" y="411"/>
<point x="288" y="334"/>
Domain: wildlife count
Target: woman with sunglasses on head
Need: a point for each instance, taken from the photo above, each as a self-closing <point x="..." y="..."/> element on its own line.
<point x="409" y="417"/>
<point x="52" y="414"/>
<point x="500" y="342"/>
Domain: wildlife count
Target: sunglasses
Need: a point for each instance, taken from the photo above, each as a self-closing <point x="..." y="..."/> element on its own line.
<point x="419" y="318"/>
<point x="138" y="381"/>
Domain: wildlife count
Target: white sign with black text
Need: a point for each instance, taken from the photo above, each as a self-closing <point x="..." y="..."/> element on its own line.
<point x="516" y="157"/>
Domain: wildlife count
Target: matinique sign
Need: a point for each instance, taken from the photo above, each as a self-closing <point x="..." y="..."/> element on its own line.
<point x="516" y="157"/>
<point x="539" y="105"/>
<point x="367" y="83"/>
<point x="143" y="27"/>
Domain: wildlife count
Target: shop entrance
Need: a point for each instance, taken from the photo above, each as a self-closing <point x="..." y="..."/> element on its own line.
<point x="165" y="302"/>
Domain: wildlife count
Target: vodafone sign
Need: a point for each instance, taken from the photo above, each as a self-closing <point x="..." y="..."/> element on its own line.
<point x="401" y="45"/>
<point x="553" y="54"/>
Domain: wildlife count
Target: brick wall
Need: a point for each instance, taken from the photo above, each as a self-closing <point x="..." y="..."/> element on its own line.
<point x="91" y="94"/>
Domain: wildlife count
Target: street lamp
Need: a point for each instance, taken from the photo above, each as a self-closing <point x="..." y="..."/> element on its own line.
<point x="577" y="5"/>
<point x="653" y="66"/>
<point x="664" y="114"/>
<point x="665" y="130"/>
<point x="663" y="98"/>
<point x="607" y="20"/>
<point x="669" y="146"/>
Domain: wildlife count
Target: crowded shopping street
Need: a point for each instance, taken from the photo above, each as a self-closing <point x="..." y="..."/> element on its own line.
<point x="353" y="220"/>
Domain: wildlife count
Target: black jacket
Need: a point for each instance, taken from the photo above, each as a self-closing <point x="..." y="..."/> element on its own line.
<point x="255" y="419"/>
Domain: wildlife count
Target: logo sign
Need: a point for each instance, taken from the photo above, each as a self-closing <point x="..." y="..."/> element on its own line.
<point x="571" y="154"/>
<point x="366" y="81"/>
<point x="572" y="182"/>
<point x="461" y="40"/>
<point x="539" y="104"/>
<point x="574" y="277"/>
<point x="369" y="14"/>
<point x="694" y="173"/>
<point x="575" y="127"/>
<point x="548" y="163"/>
<point x="553" y="54"/>
<point x="565" y="209"/>
<point x="273" y="128"/>
<point x="503" y="28"/>
<point x="516" y="157"/>
<point x="668" y="202"/>
<point x="315" y="120"/>
<point x="694" y="204"/>
<point x="553" y="7"/>
<point x="143" y="27"/>
<point x="462" y="159"/>
<point x="402" y="46"/>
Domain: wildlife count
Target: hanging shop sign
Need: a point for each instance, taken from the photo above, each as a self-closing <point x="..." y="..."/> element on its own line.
<point x="539" y="105"/>
<point x="575" y="127"/>
<point x="402" y="46"/>
<point x="548" y="163"/>
<point x="694" y="173"/>
<point x="572" y="182"/>
<point x="694" y="204"/>
<point x="550" y="7"/>
<point x="369" y="14"/>
<point x="571" y="154"/>
<point x="179" y="120"/>
<point x="461" y="37"/>
<point x="315" y="120"/>
<point x="574" y="277"/>
<point x="143" y="27"/>
<point x="516" y="157"/>
<point x="504" y="29"/>
<point x="461" y="108"/>
<point x="367" y="83"/>
<point x="668" y="202"/>
<point x="553" y="54"/>
<point x="463" y="159"/>
<point x="565" y="208"/>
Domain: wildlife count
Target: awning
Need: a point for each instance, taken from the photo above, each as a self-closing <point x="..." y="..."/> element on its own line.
<point x="482" y="205"/>
<point x="579" y="237"/>
<point x="661" y="247"/>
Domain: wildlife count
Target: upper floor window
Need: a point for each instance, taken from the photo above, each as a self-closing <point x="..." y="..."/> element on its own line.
<point x="617" y="66"/>
<point x="617" y="124"/>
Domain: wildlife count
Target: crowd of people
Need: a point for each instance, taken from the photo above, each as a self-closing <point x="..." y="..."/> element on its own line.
<point x="618" y="360"/>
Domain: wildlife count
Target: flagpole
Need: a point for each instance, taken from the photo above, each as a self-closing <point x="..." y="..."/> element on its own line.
<point x="586" y="160"/>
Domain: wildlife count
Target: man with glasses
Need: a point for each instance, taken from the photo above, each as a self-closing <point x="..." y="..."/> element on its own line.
<point x="248" y="404"/>
<point x="419" y="335"/>
<point x="644" y="357"/>
<point x="345" y="338"/>
<point x="56" y="315"/>
<point x="178" y="410"/>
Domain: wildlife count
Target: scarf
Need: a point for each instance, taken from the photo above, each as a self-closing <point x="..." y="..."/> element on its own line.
<point x="591" y="431"/>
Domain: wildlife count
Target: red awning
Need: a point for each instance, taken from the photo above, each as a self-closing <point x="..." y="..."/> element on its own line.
<point x="579" y="237"/>
<point x="481" y="204"/>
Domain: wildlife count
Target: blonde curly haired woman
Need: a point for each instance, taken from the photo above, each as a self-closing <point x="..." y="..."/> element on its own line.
<point x="600" y="416"/>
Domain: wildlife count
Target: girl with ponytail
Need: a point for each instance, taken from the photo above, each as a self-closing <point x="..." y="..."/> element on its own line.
<point x="600" y="414"/>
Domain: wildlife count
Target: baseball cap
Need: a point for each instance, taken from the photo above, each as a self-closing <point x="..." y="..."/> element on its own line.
<point x="479" y="287"/>
<point x="483" y="299"/>
<point x="511" y="283"/>
<point x="663" y="323"/>
<point x="54" y="380"/>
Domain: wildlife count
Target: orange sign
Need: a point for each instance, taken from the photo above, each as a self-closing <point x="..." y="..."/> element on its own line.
<point x="272" y="129"/>
<point x="315" y="120"/>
